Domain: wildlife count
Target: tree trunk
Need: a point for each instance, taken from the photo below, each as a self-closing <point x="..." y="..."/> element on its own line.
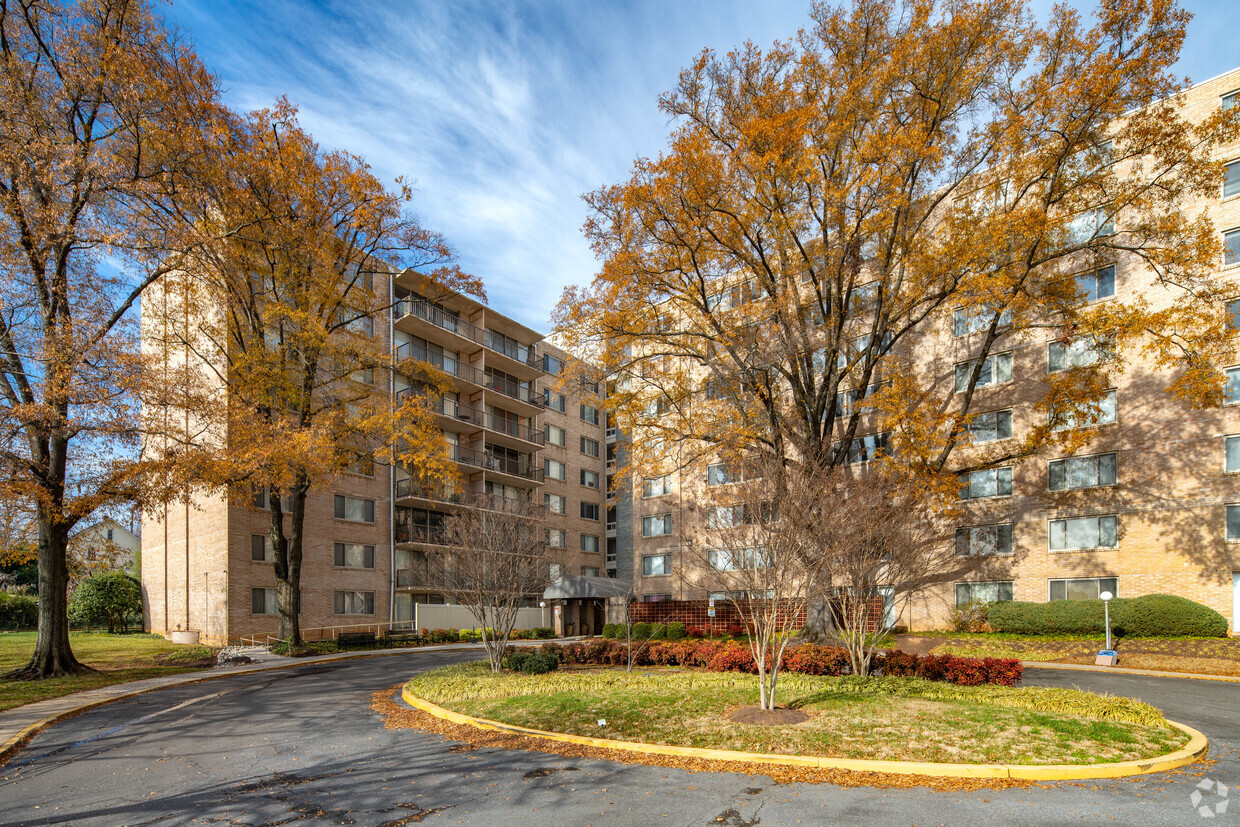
<point x="53" y="657"/>
<point x="287" y="567"/>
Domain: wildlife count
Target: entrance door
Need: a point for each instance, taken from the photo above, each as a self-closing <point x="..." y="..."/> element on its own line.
<point x="402" y="616"/>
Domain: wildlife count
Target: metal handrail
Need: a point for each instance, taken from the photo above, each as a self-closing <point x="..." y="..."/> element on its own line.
<point x="465" y="413"/>
<point x="453" y="323"/>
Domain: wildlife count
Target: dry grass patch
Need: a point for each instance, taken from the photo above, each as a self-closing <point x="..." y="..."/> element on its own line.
<point x="873" y="718"/>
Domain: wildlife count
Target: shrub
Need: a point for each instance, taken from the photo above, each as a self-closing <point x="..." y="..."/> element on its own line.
<point x="18" y="611"/>
<point x="1152" y="615"/>
<point x="642" y="631"/>
<point x="732" y="658"/>
<point x="808" y="659"/>
<point x="612" y="630"/>
<point x="697" y="632"/>
<point x="112" y="597"/>
<point x="658" y="631"/>
<point x="971" y="617"/>
<point x="532" y="662"/>
<point x="441" y="635"/>
<point x="676" y="631"/>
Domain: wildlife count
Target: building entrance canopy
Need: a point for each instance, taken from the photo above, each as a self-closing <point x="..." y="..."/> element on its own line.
<point x="580" y="588"/>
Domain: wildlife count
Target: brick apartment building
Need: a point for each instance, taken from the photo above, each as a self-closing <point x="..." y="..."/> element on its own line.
<point x="207" y="565"/>
<point x="1151" y="505"/>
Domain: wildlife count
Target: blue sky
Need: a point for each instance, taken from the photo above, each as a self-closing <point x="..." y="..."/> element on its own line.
<point x="503" y="113"/>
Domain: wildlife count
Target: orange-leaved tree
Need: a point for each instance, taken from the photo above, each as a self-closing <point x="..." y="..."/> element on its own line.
<point x="272" y="367"/>
<point x="834" y="216"/>
<point x="103" y="115"/>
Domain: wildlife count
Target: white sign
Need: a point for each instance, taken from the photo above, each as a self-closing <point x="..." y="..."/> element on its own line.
<point x="710" y="612"/>
<point x="712" y="603"/>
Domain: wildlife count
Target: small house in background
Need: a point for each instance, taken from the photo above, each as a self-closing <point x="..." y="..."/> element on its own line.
<point x="106" y="545"/>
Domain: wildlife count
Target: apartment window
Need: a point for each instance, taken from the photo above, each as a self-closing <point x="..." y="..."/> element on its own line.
<point x="1231" y="179"/>
<point x="1089" y="225"/>
<point x="968" y="321"/>
<point x="867" y="448"/>
<point x="991" y="591"/>
<point x="552" y="365"/>
<point x="260" y="549"/>
<point x="1231" y="387"/>
<point x="590" y="543"/>
<point x="554" y="401"/>
<point x="991" y="482"/>
<point x="1084" y="588"/>
<point x="1229" y="100"/>
<point x="263" y="602"/>
<point x="590" y="511"/>
<point x="656" y="486"/>
<point x="1233" y="523"/>
<point x="1081" y="472"/>
<point x="1231" y="247"/>
<point x="1098" y="284"/>
<point x="1231" y="454"/>
<point x="590" y="479"/>
<point x="262" y="500"/>
<point x="556" y="436"/>
<point x="363" y="466"/>
<point x="355" y="509"/>
<point x="1231" y="317"/>
<point x="589" y="447"/>
<point x="355" y="556"/>
<point x="984" y="540"/>
<point x="555" y="503"/>
<point x="991" y="426"/>
<point x="1076" y="354"/>
<point x="589" y="571"/>
<point x="555" y="470"/>
<point x="656" y="565"/>
<point x="556" y="571"/>
<point x="658" y="525"/>
<point x="996" y="370"/>
<point x="589" y="414"/>
<point x="1080" y="533"/>
<point x="1106" y="415"/>
<point x="109" y="535"/>
<point x="734" y="559"/>
<point x="354" y="603"/>
<point x="718" y="474"/>
<point x="655" y="598"/>
<point x="557" y="538"/>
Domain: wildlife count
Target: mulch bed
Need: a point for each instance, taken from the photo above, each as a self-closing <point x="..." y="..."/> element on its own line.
<point x="397" y="715"/>
<point x="779" y="716"/>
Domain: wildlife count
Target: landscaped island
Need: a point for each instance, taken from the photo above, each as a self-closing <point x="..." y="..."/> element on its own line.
<point x="886" y="718"/>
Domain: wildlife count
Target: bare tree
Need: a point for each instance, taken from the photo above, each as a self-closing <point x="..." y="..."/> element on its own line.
<point x="495" y="561"/>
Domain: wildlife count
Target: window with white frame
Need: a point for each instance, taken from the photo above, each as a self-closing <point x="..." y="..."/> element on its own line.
<point x="1231" y="454"/>
<point x="1082" y="588"/>
<point x="1231" y="247"/>
<point x="1097" y="284"/>
<point x="355" y="509"/>
<point x="354" y="555"/>
<point x="1082" y="533"/>
<point x="991" y="591"/>
<point x="996" y="370"/>
<point x="354" y="602"/>
<point x="657" y="525"/>
<point x="260" y="548"/>
<point x="1081" y="472"/>
<point x="984" y="540"/>
<point x="718" y="474"/>
<point x="555" y="470"/>
<point x="590" y="511"/>
<point x="656" y="565"/>
<point x="990" y="426"/>
<point x="1231" y="179"/>
<point x="1105" y="415"/>
<point x="556" y="436"/>
<point x="656" y="486"/>
<point x="1233" y="522"/>
<point x="967" y="321"/>
<point x="735" y="559"/>
<point x="263" y="602"/>
<point x="589" y="447"/>
<point x="1078" y="353"/>
<point x="1229" y="100"/>
<point x="590" y="479"/>
<point x="590" y="543"/>
<point x="1089" y="225"/>
<point x="555" y="503"/>
<point x="1231" y="314"/>
<point x="989" y="482"/>
<point x="557" y="538"/>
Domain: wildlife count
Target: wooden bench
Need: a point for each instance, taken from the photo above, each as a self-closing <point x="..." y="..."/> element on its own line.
<point x="355" y="639"/>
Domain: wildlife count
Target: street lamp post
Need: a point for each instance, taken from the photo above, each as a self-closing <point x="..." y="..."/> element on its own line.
<point x="1108" y="656"/>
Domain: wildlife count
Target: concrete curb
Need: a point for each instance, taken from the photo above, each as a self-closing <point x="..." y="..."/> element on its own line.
<point x="1194" y="750"/>
<point x="28" y="719"/>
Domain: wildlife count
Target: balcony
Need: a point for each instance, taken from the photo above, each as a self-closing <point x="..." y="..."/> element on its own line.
<point x="407" y="488"/>
<point x="523" y="468"/>
<point x="433" y="535"/>
<point x="529" y="395"/>
<point x="491" y="422"/>
<point x="455" y="324"/>
<point x="452" y="367"/>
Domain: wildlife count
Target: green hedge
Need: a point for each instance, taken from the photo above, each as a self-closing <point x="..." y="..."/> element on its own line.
<point x="1153" y="615"/>
<point x="18" y="611"/>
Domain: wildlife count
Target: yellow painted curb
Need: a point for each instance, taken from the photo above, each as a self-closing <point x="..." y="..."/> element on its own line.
<point x="1194" y="750"/>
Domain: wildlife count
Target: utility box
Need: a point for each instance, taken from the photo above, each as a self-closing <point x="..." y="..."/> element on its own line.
<point x="1107" y="657"/>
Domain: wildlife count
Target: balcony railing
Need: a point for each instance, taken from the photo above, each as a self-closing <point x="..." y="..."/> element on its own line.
<point x="420" y="534"/>
<point x="408" y="488"/>
<point x="527" y="394"/>
<point x="522" y="467"/>
<point x="450" y="366"/>
<point x="455" y="324"/>
<point x="491" y="422"/>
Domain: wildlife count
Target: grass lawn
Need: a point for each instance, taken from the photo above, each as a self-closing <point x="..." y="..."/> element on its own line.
<point x="879" y="718"/>
<point x="1208" y="656"/>
<point x="119" y="658"/>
